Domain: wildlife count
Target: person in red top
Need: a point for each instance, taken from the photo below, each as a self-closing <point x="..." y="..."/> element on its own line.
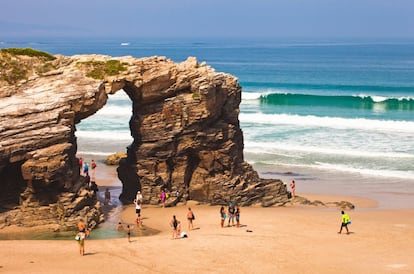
<point x="93" y="166"/>
<point x="81" y="165"/>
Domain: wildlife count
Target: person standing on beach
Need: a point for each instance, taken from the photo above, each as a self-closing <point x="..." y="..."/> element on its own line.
<point x="138" y="212"/>
<point x="139" y="196"/>
<point x="82" y="233"/>
<point x="80" y="237"/>
<point x="237" y="213"/>
<point x="93" y="166"/>
<point x="163" y="197"/>
<point x="345" y="222"/>
<point x="81" y="166"/>
<point x="231" y="214"/>
<point x="107" y="196"/>
<point x="292" y="187"/>
<point x="222" y="215"/>
<point x="190" y="218"/>
<point x="174" y="226"/>
<point x="86" y="169"/>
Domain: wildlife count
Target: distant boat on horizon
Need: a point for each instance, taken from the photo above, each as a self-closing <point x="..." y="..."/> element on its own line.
<point x="125" y="44"/>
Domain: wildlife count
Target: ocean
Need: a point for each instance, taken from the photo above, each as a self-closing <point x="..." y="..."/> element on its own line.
<point x="312" y="109"/>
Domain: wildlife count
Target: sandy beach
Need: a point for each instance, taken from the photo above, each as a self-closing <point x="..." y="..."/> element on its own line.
<point x="290" y="239"/>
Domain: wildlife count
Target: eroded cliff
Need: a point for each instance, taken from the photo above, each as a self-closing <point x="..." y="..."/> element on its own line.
<point x="184" y="124"/>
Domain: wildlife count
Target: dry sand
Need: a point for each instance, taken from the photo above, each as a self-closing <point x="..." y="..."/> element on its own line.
<point x="291" y="239"/>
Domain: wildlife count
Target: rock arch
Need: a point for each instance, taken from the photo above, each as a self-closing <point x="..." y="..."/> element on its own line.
<point x="184" y="124"/>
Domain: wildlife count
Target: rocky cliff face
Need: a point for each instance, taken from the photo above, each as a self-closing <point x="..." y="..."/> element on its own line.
<point x="184" y="124"/>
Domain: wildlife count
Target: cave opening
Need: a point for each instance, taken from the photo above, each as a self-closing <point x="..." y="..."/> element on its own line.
<point x="13" y="185"/>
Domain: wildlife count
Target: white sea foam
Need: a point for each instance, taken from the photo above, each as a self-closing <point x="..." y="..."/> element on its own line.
<point x="104" y="135"/>
<point x="115" y="111"/>
<point x="282" y="148"/>
<point x="379" y="98"/>
<point x="97" y="153"/>
<point x="342" y="168"/>
<point x="327" y="122"/>
<point x="251" y="95"/>
<point x="365" y="171"/>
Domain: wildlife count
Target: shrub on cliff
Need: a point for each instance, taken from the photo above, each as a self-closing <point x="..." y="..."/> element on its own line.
<point x="100" y="69"/>
<point x="29" y="52"/>
<point x="18" y="64"/>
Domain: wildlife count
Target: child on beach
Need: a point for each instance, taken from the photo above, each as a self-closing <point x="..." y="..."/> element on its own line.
<point x="222" y="215"/>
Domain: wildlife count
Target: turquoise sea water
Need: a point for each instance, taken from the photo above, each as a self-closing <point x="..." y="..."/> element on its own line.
<point x="330" y="105"/>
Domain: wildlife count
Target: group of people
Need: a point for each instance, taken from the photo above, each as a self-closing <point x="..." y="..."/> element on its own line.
<point x="84" y="168"/>
<point x="176" y="225"/>
<point x="233" y="212"/>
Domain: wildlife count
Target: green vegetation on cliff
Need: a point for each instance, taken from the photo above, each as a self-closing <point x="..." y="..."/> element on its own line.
<point x="18" y="64"/>
<point x="29" y="52"/>
<point x="100" y="69"/>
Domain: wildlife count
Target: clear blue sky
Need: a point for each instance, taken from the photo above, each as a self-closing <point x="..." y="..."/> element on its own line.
<point x="208" y="18"/>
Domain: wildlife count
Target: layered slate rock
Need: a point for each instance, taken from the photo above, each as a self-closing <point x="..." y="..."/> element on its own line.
<point x="184" y="123"/>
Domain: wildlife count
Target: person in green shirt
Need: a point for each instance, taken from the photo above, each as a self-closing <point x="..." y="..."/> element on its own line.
<point x="345" y="222"/>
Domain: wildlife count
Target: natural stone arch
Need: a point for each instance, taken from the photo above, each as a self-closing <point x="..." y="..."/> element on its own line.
<point x="184" y="124"/>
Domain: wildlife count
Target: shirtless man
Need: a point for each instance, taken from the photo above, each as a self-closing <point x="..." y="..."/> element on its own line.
<point x="190" y="218"/>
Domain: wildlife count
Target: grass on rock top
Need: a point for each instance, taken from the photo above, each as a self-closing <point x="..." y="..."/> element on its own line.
<point x="100" y="69"/>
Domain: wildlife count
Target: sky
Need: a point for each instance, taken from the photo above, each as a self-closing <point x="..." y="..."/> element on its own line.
<point x="207" y="18"/>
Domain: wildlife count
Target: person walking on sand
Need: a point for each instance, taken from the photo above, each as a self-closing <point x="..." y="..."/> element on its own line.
<point x="231" y="214"/>
<point x="345" y="222"/>
<point x="107" y="196"/>
<point x="190" y="218"/>
<point x="237" y="214"/>
<point x="292" y="187"/>
<point x="174" y="226"/>
<point x="222" y="215"/>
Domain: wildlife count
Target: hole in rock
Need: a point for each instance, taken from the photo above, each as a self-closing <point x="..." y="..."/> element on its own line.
<point x="104" y="133"/>
<point x="13" y="185"/>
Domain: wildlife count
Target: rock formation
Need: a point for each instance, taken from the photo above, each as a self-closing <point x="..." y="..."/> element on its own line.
<point x="184" y="125"/>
